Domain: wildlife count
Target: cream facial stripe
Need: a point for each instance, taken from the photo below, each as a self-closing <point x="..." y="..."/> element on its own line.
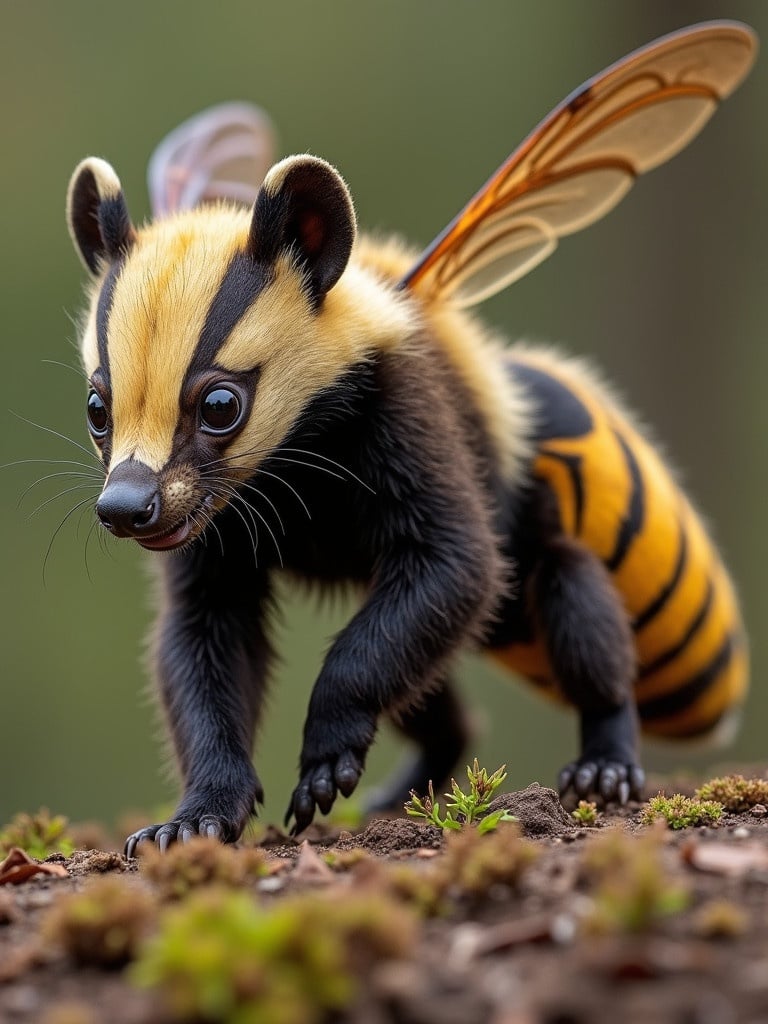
<point x="162" y="314"/>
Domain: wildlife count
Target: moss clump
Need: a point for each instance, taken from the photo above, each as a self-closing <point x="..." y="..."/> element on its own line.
<point x="102" y="925"/>
<point x="735" y="792"/>
<point x="585" y="813"/>
<point x="632" y="889"/>
<point x="473" y="863"/>
<point x="720" y="919"/>
<point x="39" y="835"/>
<point x="682" y="811"/>
<point x="469" y="866"/>
<point x="201" y="861"/>
<point x="218" y="957"/>
<point x="345" y="860"/>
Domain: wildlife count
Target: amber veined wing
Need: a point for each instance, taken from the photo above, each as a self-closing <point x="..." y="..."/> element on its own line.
<point x="223" y="152"/>
<point x="583" y="158"/>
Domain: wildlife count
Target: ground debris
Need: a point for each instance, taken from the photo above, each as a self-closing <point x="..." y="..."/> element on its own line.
<point x="19" y="867"/>
<point x="538" y="810"/>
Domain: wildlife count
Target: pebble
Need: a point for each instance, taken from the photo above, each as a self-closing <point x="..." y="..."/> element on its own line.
<point x="741" y="833"/>
<point x="758" y="811"/>
<point x="272" y="884"/>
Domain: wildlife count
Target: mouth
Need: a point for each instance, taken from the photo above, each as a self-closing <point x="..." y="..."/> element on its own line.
<point x="170" y="539"/>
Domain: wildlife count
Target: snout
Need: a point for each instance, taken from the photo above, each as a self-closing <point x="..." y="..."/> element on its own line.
<point x="129" y="505"/>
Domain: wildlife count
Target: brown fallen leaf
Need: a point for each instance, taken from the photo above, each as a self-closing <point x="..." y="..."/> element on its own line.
<point x="731" y="859"/>
<point x="310" y="868"/>
<point x="18" y="866"/>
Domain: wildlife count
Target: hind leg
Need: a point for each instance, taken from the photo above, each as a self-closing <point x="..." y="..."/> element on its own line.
<point x="590" y="646"/>
<point x="439" y="729"/>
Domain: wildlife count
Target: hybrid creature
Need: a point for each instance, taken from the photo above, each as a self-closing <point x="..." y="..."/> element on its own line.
<point x="271" y="393"/>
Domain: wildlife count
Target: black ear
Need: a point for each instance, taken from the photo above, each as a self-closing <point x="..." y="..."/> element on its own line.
<point x="305" y="206"/>
<point x="97" y="215"/>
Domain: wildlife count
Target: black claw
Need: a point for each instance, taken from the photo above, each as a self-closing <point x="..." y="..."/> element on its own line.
<point x="323" y="788"/>
<point x="584" y="780"/>
<point x="187" y="833"/>
<point x="636" y="782"/>
<point x="623" y="793"/>
<point x="164" y="841"/>
<point x="608" y="784"/>
<point x="347" y="774"/>
<point x="212" y="830"/>
<point x="565" y="778"/>
<point x="130" y="847"/>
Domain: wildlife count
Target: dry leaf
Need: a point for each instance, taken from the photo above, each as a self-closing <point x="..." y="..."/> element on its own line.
<point x="18" y="866"/>
<point x="732" y="859"/>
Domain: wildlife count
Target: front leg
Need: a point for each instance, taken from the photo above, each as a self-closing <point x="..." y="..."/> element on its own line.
<point x="212" y="660"/>
<point x="422" y="606"/>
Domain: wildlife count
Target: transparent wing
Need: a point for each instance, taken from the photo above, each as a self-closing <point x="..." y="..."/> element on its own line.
<point x="221" y="153"/>
<point x="583" y="158"/>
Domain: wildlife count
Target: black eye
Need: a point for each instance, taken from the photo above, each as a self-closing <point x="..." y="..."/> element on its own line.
<point x="220" y="410"/>
<point x="97" y="415"/>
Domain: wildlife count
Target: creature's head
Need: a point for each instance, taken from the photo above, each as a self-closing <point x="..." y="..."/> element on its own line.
<point x="207" y="335"/>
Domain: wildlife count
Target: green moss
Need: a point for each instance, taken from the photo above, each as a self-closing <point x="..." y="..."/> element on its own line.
<point x="585" y="813"/>
<point x="201" y="861"/>
<point x="103" y="925"/>
<point x="470" y="865"/>
<point x="735" y="792"/>
<point x="39" y="834"/>
<point x="631" y="887"/>
<point x="682" y="811"/>
<point x="220" y="958"/>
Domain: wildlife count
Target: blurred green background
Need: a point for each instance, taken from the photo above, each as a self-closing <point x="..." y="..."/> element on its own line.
<point x="416" y="103"/>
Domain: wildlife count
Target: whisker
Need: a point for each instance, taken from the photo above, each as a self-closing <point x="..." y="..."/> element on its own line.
<point x="251" y="509"/>
<point x="67" y="366"/>
<point x="220" y="481"/>
<point x="58" y="529"/>
<point x="50" y="476"/>
<point x="87" y="539"/>
<point x="265" y="472"/>
<point x="253" y="536"/>
<point x="44" y="504"/>
<point x="53" y="462"/>
<point x="56" y="433"/>
<point x="333" y="462"/>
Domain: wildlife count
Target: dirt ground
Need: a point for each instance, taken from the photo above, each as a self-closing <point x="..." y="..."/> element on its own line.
<point x="584" y="932"/>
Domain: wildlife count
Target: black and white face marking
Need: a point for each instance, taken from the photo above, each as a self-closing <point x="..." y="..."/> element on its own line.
<point x="210" y="332"/>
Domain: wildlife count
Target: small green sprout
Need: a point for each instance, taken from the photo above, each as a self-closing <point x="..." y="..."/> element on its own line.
<point x="735" y="792"/>
<point x="463" y="809"/>
<point x="682" y="811"/>
<point x="39" y="835"/>
<point x="585" y="813"/>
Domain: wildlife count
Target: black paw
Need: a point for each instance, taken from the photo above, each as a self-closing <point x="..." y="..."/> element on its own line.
<point x="181" y="830"/>
<point x="610" y="781"/>
<point x="320" y="785"/>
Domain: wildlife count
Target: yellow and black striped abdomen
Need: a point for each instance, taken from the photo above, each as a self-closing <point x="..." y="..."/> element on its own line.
<point x="615" y="495"/>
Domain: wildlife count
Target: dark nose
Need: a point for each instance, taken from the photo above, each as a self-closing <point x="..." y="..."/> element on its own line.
<point x="129" y="505"/>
